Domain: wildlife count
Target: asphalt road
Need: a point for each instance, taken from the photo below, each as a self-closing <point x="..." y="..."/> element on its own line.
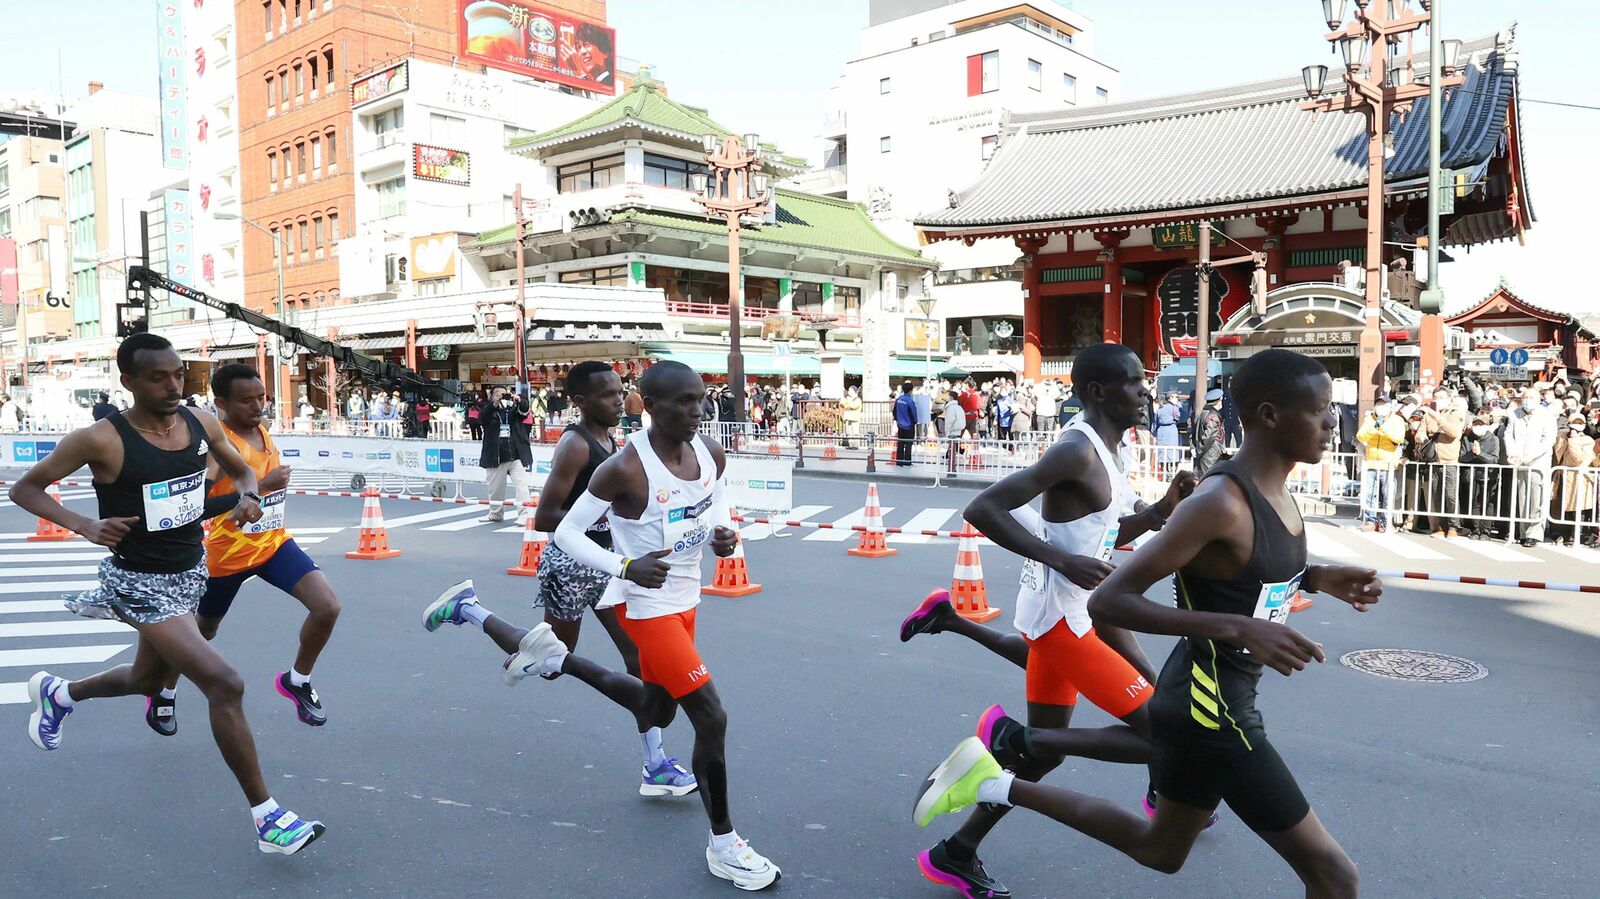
<point x="435" y="779"/>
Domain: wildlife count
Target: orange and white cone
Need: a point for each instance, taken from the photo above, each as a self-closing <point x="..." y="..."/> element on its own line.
<point x="532" y="547"/>
<point x="967" y="590"/>
<point x="732" y="578"/>
<point x="1300" y="602"/>
<point x="373" y="542"/>
<point x="874" y="542"/>
<point x="830" y="453"/>
<point x="49" y="531"/>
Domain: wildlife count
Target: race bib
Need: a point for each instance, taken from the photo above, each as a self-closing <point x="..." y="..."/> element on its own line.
<point x="175" y="503"/>
<point x="1273" y="602"/>
<point x="1033" y="575"/>
<point x="1108" y="543"/>
<point x="505" y="431"/>
<point x="685" y="528"/>
<point x="271" y="514"/>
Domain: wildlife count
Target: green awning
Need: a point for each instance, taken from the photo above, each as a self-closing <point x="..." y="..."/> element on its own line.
<point x="907" y="367"/>
<point x="712" y="362"/>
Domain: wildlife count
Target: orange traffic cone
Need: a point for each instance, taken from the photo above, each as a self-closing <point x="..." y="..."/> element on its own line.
<point x="774" y="450"/>
<point x="732" y="578"/>
<point x="830" y="453"/>
<point x="1299" y="603"/>
<point x="532" y="548"/>
<point x="873" y="543"/>
<point x="373" y="542"/>
<point x="967" y="591"/>
<point x="49" y="531"/>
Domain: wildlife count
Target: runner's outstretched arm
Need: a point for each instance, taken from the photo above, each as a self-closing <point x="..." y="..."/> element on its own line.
<point x="606" y="485"/>
<point x="1216" y="515"/>
<point x="75" y="450"/>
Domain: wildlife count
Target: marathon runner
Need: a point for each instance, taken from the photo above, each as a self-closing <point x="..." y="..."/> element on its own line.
<point x="149" y="466"/>
<point x="566" y="587"/>
<point x="263" y="549"/>
<point x="1238" y="548"/>
<point x="1086" y="505"/>
<point x="663" y="496"/>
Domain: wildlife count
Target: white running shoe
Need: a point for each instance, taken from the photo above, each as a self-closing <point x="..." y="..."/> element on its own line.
<point x="537" y="647"/>
<point x="747" y="868"/>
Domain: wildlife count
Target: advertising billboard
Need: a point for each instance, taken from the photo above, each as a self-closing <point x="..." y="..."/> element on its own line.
<point x="170" y="82"/>
<point x="8" y="271"/>
<point x="433" y="256"/>
<point x="441" y="164"/>
<point x="392" y="80"/>
<point x="548" y="45"/>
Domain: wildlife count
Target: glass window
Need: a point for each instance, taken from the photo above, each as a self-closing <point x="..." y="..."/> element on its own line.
<point x="447" y="129"/>
<point x="305" y="238"/>
<point x="300" y="158"/>
<point x="387" y="125"/>
<point x="333" y="228"/>
<point x="319" y="236"/>
<point x="988" y="145"/>
<point x="5" y="177"/>
<point x="327" y="64"/>
<point x="333" y="150"/>
<point x="316" y="157"/>
<point x="391" y="197"/>
<point x="312" y="62"/>
<point x="512" y="133"/>
<point x="272" y="169"/>
<point x="288" y="165"/>
<point x="807" y="298"/>
<point x="589" y="174"/>
<point x="5" y="223"/>
<point x="847" y="301"/>
<point x="277" y="246"/>
<point x="884" y="144"/>
<point x="991" y="71"/>
<point x="883" y="85"/>
<point x="1035" y="75"/>
<point x="1069" y="86"/>
<point x="272" y="95"/>
<point x="1101" y="95"/>
<point x="299" y="82"/>
<point x="612" y="276"/>
<point x="935" y="36"/>
<point x="665" y="171"/>
<point x="266" y="7"/>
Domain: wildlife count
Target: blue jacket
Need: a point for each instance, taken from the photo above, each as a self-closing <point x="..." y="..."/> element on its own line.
<point x="905" y="411"/>
<point x="1166" y="425"/>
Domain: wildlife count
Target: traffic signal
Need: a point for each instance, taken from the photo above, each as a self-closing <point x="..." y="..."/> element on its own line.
<point x="131" y="319"/>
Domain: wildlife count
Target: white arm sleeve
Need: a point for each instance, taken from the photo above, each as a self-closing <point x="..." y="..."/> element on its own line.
<point x="572" y="537"/>
<point x="721" y="515"/>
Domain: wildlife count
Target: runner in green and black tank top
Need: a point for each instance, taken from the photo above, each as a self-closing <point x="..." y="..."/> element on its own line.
<point x="1237" y="548"/>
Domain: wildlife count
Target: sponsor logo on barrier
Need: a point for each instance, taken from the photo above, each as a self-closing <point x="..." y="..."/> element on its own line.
<point x="323" y="454"/>
<point x="31" y="450"/>
<point x="385" y="456"/>
<point x="542" y="466"/>
<point x="346" y="454"/>
<point x="442" y="461"/>
<point x="408" y="458"/>
<point x="776" y="485"/>
<point x="372" y="456"/>
<point x="291" y="454"/>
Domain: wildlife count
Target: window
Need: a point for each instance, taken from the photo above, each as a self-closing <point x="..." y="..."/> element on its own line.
<point x="312" y="62"/>
<point x="884" y="144"/>
<point x="297" y="12"/>
<point x="515" y="133"/>
<point x="319" y="236"/>
<point x="665" y="171"/>
<point x="447" y="129"/>
<point x="5" y="223"/>
<point x="883" y="85"/>
<point x="1035" y="75"/>
<point x="983" y="73"/>
<point x="614" y="276"/>
<point x="387" y="124"/>
<point x="433" y="287"/>
<point x="1101" y="95"/>
<point x="277" y="246"/>
<point x="935" y="36"/>
<point x="1069" y="86"/>
<point x="5" y="177"/>
<point x="391" y="197"/>
<point x="589" y="175"/>
<point x="300" y="160"/>
<point x="847" y="301"/>
<point x="333" y="150"/>
<point x="988" y="145"/>
<point x="316" y="157"/>
<point x="327" y="65"/>
<point x="333" y="230"/>
<point x="272" y="170"/>
<point x="266" y="7"/>
<point x="305" y="238"/>
<point x="299" y="82"/>
<point x="272" y="96"/>
<point x="283" y="87"/>
<point x="288" y="165"/>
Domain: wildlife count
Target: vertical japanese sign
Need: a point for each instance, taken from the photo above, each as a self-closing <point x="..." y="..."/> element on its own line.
<point x="180" y="243"/>
<point x="170" y="82"/>
<point x="8" y="271"/>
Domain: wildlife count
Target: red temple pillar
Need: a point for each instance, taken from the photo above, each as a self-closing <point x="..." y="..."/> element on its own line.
<point x="1111" y="287"/>
<point x="1032" y="313"/>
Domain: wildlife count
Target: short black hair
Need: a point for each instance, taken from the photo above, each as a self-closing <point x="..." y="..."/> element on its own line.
<point x="580" y="379"/>
<point x="905" y="386"/>
<point x="222" y="379"/>
<point x="136" y="344"/>
<point x="1272" y="376"/>
<point x="105" y="397"/>
<point x="1099" y="363"/>
<point x="662" y="377"/>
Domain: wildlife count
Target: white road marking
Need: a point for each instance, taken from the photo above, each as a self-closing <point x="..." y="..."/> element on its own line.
<point x="70" y="627"/>
<point x="50" y="587"/>
<point x="59" y="655"/>
<point x="31" y="606"/>
<point x="1320" y="542"/>
<point x="926" y="520"/>
<point x="842" y="527"/>
<point x="453" y="512"/>
<point x="47" y="571"/>
<point x="1399" y="544"/>
<point x="1491" y="549"/>
<point x="753" y="532"/>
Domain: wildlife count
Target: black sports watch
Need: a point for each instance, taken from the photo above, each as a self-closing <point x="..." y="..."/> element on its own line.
<point x="252" y="496"/>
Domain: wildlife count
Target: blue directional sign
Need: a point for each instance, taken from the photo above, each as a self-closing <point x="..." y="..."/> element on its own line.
<point x="1519" y="356"/>
<point x="1498" y="356"/>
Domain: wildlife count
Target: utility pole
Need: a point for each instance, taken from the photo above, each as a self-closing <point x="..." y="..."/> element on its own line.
<point x="522" y="299"/>
<point x="1432" y="299"/>
<point x="1202" y="351"/>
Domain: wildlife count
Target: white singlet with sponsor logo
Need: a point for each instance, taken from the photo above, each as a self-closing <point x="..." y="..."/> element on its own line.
<point x="677" y="516"/>
<point x="1045" y="596"/>
<point x="175" y="503"/>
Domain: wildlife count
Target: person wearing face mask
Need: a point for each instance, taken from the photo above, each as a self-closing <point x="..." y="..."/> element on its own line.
<point x="1444" y="421"/>
<point x="1574" y="452"/>
<point x="1530" y="439"/>
<point x="1382" y="433"/>
<point x="1480" y="449"/>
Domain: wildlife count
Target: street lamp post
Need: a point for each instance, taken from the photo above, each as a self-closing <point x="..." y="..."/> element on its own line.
<point x="733" y="187"/>
<point x="926" y="303"/>
<point x="281" y="385"/>
<point x="1378" y="82"/>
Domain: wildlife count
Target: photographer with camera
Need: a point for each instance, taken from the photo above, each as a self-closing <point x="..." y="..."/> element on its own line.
<point x="506" y="453"/>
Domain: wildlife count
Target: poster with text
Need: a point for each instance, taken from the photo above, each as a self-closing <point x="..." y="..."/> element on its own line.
<point x="548" y="45"/>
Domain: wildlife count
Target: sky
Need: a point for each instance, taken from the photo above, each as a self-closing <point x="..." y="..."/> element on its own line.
<point x="766" y="66"/>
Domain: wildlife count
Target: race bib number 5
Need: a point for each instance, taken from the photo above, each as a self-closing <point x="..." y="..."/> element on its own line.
<point x="175" y="503"/>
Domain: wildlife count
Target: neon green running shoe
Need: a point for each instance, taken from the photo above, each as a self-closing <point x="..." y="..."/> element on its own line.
<point x="953" y="785"/>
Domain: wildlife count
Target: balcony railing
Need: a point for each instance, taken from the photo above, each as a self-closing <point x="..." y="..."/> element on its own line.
<point x="688" y="309"/>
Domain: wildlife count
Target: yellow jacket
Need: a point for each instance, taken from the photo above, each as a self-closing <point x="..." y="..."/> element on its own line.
<point x="1382" y="440"/>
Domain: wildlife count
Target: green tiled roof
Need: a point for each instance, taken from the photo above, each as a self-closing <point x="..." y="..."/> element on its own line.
<point x="643" y="103"/>
<point x="803" y="220"/>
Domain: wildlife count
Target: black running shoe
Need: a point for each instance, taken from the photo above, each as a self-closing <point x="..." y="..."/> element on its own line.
<point x="161" y="714"/>
<point x="929" y="617"/>
<point x="1003" y="736"/>
<point x="306" y="703"/>
<point x="968" y="877"/>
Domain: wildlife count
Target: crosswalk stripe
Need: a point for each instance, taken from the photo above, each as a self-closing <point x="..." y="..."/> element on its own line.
<point x="70" y="627"/>
<point x="926" y="520"/>
<point x="31" y="606"/>
<point x="1399" y="544"/>
<point x="47" y="570"/>
<point x="1499" y="552"/>
<point x="1581" y="553"/>
<point x="15" y="693"/>
<point x="60" y="655"/>
<point x="308" y="541"/>
<point x="65" y="496"/>
<point x="49" y="587"/>
<point x="1320" y="543"/>
<point x="340" y="530"/>
<point x="38" y="555"/>
<point x="842" y="527"/>
<point x="753" y="532"/>
<point x="466" y="523"/>
<point x="453" y="512"/>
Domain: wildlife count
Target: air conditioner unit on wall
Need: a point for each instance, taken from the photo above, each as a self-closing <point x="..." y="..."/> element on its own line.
<point x="394" y="268"/>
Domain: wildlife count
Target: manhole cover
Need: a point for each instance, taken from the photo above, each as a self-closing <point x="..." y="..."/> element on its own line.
<point x="1414" y="665"/>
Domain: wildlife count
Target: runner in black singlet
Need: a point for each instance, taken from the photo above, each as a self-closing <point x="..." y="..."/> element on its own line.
<point x="1238" y="549"/>
<point x="149" y="467"/>
<point x="566" y="587"/>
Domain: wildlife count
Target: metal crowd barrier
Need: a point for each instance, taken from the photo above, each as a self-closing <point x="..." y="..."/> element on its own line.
<point x="1495" y="500"/>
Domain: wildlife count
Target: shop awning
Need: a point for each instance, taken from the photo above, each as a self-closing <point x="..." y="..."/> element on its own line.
<point x="904" y="366"/>
<point x="712" y="362"/>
